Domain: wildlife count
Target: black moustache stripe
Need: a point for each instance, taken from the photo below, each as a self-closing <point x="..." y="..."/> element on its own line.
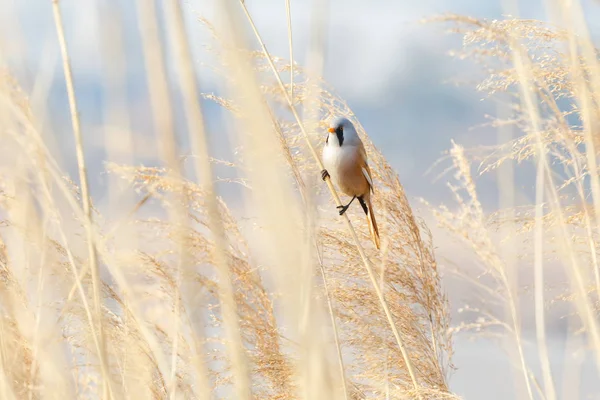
<point x="340" y="134"/>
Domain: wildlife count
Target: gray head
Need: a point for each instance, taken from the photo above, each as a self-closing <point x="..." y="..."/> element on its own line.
<point x="341" y="132"/>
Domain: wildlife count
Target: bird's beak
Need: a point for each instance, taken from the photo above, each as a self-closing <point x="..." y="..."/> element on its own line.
<point x="331" y="130"/>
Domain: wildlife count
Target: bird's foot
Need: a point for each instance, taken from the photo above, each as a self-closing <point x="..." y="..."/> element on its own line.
<point x="324" y="174"/>
<point x="343" y="209"/>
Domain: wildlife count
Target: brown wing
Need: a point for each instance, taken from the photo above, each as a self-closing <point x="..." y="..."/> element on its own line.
<point x="372" y="222"/>
<point x="365" y="166"/>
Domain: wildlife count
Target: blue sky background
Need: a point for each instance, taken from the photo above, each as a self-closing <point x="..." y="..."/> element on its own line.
<point x="392" y="70"/>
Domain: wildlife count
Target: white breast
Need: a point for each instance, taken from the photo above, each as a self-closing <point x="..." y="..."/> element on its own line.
<point x="338" y="161"/>
<point x="332" y="158"/>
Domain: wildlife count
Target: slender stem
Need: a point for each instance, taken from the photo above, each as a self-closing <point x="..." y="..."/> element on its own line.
<point x="579" y="175"/>
<point x="538" y="265"/>
<point x="288" y="11"/>
<point x="5" y="387"/>
<point x="338" y="202"/>
<point x="538" y="262"/>
<point x="164" y="121"/>
<point x="302" y="189"/>
<point x="573" y="15"/>
<point x="204" y="173"/>
<point x="333" y="324"/>
<point x="571" y="10"/>
<point x="85" y="198"/>
<point x="315" y="65"/>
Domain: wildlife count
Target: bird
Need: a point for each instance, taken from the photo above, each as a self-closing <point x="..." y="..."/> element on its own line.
<point x="345" y="162"/>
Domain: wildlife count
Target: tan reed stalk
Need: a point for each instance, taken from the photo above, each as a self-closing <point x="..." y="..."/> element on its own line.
<point x="506" y="201"/>
<point x="549" y="99"/>
<point x="338" y="202"/>
<point x="577" y="278"/>
<point x="204" y="174"/>
<point x="574" y="356"/>
<point x="5" y="387"/>
<point x="118" y="138"/>
<point x="314" y="68"/>
<point x="310" y="322"/>
<point x="528" y="97"/>
<point x="577" y="167"/>
<point x="39" y="288"/>
<point x="288" y="11"/>
<point x="120" y="148"/>
<point x="112" y="231"/>
<point x="117" y="274"/>
<point x="51" y="170"/>
<point x="573" y="16"/>
<point x="47" y="364"/>
<point x="334" y="325"/>
<point x="529" y="100"/>
<point x="285" y="237"/>
<point x="302" y="189"/>
<point x="25" y="214"/>
<point x="570" y="16"/>
<point x="85" y="198"/>
<point x="578" y="82"/>
<point x="50" y="210"/>
<point x="164" y="123"/>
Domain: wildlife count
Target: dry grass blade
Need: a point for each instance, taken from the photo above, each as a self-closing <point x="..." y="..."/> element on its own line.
<point x="334" y="324"/>
<point x="338" y="202"/>
<point x="164" y="122"/>
<point x="199" y="297"/>
<point x="315" y="62"/>
<point x="551" y="76"/>
<point x="203" y="169"/>
<point x="528" y="96"/>
<point x="288" y="12"/>
<point x="85" y="198"/>
<point x="287" y="237"/>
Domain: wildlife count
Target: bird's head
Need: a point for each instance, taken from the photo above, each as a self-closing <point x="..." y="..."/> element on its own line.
<point x="341" y="132"/>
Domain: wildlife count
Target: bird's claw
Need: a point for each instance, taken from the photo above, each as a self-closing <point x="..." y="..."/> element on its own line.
<point x="342" y="209"/>
<point x="324" y="174"/>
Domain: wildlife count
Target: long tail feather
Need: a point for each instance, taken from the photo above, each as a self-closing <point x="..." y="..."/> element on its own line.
<point x="372" y="222"/>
